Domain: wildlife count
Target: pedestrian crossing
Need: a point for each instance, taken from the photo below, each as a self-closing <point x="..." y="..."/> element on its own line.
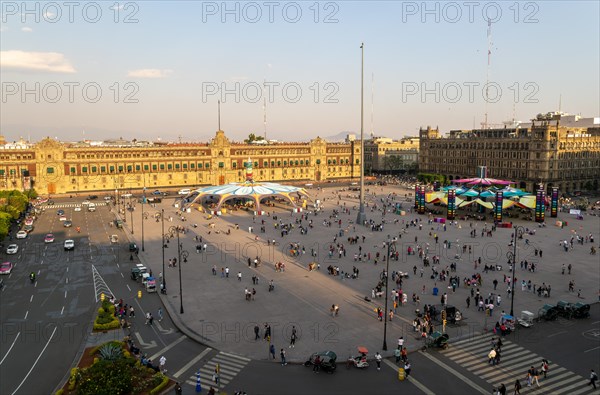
<point x="71" y="205"/>
<point x="515" y="360"/>
<point x="229" y="366"/>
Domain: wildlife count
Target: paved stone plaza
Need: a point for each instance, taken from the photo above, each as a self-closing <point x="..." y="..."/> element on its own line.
<point x="217" y="313"/>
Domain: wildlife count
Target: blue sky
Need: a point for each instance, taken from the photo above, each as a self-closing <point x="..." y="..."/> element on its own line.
<point x="158" y="74"/>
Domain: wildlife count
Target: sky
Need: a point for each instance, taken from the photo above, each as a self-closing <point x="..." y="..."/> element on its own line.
<point x="154" y="69"/>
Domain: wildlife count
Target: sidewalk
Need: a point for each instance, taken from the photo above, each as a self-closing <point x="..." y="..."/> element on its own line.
<point x="217" y="314"/>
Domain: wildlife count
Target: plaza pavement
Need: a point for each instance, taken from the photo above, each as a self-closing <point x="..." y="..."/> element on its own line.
<point x="217" y="314"/>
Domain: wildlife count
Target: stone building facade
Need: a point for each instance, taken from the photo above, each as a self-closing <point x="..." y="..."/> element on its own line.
<point x="53" y="167"/>
<point x="567" y="157"/>
<point x="386" y="154"/>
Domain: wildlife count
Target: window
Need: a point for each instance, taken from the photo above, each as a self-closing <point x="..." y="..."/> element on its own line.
<point x="234" y="165"/>
<point x="265" y="164"/>
<point x="153" y="167"/>
<point x="103" y="169"/>
<point x="84" y="169"/>
<point x="207" y="165"/>
<point x="278" y="163"/>
<point x="221" y="164"/>
<point x="72" y="170"/>
<point x="162" y="166"/>
<point x="185" y="166"/>
<point x="192" y="165"/>
<point x="120" y="168"/>
<point x="272" y="163"/>
<point x="94" y="169"/>
<point x="112" y="169"/>
<point x="138" y="167"/>
<point x="177" y="166"/>
<point x="169" y="166"/>
<point x="318" y="161"/>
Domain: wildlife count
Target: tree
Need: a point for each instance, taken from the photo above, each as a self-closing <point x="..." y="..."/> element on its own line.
<point x="393" y="163"/>
<point x="252" y="137"/>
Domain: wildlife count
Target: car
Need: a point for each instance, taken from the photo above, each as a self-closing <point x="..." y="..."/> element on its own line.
<point x="12" y="249"/>
<point x="93" y="197"/>
<point x="28" y="221"/>
<point x="28" y="228"/>
<point x="91" y="207"/>
<point x="50" y="203"/>
<point x="184" y="191"/>
<point x="60" y="212"/>
<point x="67" y="224"/>
<point x="126" y="195"/>
<point x="157" y="192"/>
<point x="21" y="234"/>
<point x="132" y="247"/>
<point x="77" y="208"/>
<point x="49" y="238"/>
<point x="107" y="198"/>
<point x="69" y="245"/>
<point x="40" y="199"/>
<point x="62" y="218"/>
<point x="85" y="202"/>
<point x="6" y="268"/>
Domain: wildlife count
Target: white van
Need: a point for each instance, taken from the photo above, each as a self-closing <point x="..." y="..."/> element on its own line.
<point x="185" y="191"/>
<point x="92" y="207"/>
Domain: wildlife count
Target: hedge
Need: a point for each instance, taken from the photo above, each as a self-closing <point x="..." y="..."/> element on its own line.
<point x="161" y="386"/>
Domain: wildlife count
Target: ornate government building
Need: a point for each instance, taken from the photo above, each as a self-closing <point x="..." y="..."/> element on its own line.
<point x="554" y="149"/>
<point x="52" y="167"/>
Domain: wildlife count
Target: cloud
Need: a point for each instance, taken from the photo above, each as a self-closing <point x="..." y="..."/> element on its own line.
<point x="26" y="29"/>
<point x="149" y="73"/>
<point x="52" y="62"/>
<point x="117" y="7"/>
<point x="49" y="15"/>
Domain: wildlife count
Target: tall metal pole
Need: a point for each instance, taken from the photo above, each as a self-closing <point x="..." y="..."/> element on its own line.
<point x="162" y="217"/>
<point x="131" y="208"/>
<point x="143" y="200"/>
<point x="180" y="284"/>
<point x="518" y="230"/>
<point x="362" y="217"/>
<point x="385" y="314"/>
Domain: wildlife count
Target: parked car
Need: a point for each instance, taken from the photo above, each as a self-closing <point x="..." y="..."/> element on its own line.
<point x="69" y="245"/>
<point x="93" y="197"/>
<point x="185" y="191"/>
<point x="50" y="202"/>
<point x="157" y="192"/>
<point x="49" y="238"/>
<point x="21" y="234"/>
<point x="12" y="249"/>
<point x="6" y="268"/>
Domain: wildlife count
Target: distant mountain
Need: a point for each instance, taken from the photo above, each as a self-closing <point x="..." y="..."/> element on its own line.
<point x="340" y="137"/>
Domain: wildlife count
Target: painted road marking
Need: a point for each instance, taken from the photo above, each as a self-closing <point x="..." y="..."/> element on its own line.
<point x="192" y="362"/>
<point x="36" y="361"/>
<point x="167" y="348"/>
<point x="11" y="346"/>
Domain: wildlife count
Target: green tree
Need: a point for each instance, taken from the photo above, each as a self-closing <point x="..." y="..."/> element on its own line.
<point x="252" y="137"/>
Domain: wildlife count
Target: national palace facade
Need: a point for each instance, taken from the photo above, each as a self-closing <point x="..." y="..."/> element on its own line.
<point x="552" y="150"/>
<point x="53" y="167"/>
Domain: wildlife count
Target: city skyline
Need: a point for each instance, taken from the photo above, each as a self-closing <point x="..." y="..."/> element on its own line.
<point x="150" y="70"/>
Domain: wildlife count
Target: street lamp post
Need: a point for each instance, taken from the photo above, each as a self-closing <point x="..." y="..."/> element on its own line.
<point x="512" y="256"/>
<point x="180" y="254"/>
<point x="143" y="201"/>
<point x="391" y="248"/>
<point x="131" y="211"/>
<point x="362" y="217"/>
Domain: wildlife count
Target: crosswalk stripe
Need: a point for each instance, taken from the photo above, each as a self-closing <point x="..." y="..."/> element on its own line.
<point x="229" y="367"/>
<point x="235" y="356"/>
<point x="583" y="390"/>
<point x="472" y="353"/>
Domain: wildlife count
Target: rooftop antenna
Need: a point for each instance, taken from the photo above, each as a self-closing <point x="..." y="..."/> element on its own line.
<point x="219" y="112"/>
<point x="487" y="78"/>
<point x="559" y="103"/>
<point x="265" y="109"/>
<point x="372" y="101"/>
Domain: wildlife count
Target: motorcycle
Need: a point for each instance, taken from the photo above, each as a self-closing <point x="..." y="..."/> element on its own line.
<point x="359" y="361"/>
<point x="32" y="277"/>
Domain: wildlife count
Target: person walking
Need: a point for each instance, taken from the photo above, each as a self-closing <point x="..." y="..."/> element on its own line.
<point x="397" y="354"/>
<point x="160" y="314"/>
<point x="400" y="343"/>
<point x="517" y="387"/>
<point x="147" y="317"/>
<point x="293" y="340"/>
<point x="161" y="362"/>
<point x="378" y="360"/>
<point x="545" y="367"/>
<point x="317" y="364"/>
<point x="272" y="351"/>
<point x="282" y="356"/>
<point x="256" y="332"/>
<point x="131" y="312"/>
<point x="593" y="378"/>
<point x="502" y="389"/>
<point x="178" y="389"/>
<point x="407" y="368"/>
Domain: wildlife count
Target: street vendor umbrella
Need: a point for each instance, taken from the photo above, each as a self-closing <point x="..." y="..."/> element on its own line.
<point x="482" y="181"/>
